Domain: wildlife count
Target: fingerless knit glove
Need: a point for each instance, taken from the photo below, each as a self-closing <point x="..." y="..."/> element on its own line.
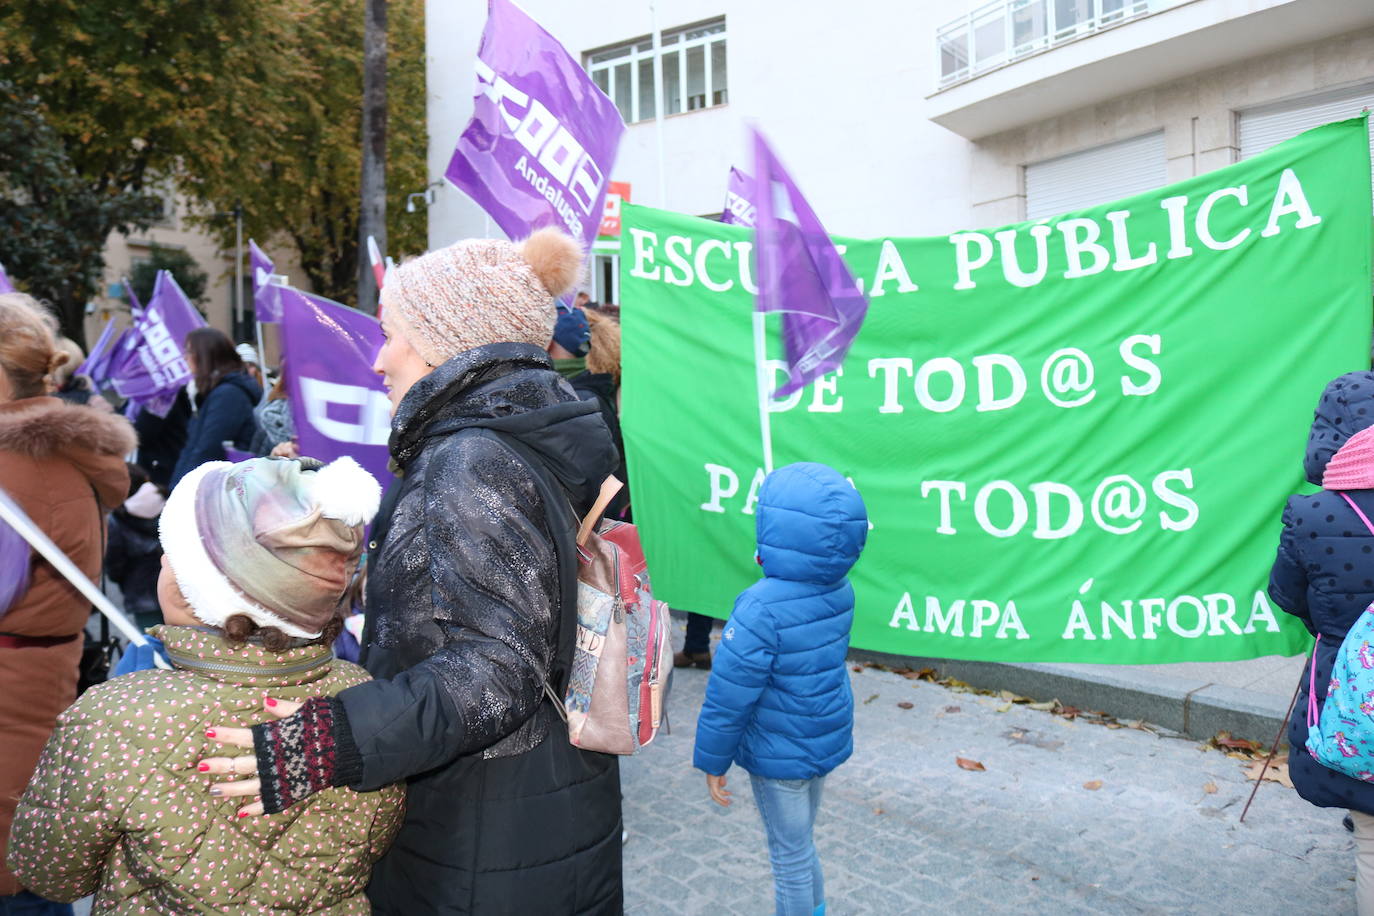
<point x="304" y="753"/>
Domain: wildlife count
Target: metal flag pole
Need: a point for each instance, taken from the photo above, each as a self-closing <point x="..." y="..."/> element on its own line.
<point x="660" y="100"/>
<point x="16" y="518"/>
<point x="761" y="381"/>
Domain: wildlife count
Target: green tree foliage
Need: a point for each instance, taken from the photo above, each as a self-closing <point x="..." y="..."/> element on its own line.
<point x="53" y="220"/>
<point x="251" y="102"/>
<point x="183" y="268"/>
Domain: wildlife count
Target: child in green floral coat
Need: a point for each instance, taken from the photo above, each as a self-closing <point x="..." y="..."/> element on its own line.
<point x="258" y="559"/>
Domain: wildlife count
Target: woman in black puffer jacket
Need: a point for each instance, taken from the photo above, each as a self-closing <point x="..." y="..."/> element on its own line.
<point x="1324" y="575"/>
<point x="225" y="397"/>
<point x="471" y="603"/>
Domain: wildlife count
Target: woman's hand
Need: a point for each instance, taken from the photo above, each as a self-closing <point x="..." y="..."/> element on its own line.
<point x="245" y="765"/>
<point x="287" y="449"/>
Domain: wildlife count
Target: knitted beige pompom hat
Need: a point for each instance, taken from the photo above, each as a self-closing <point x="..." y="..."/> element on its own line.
<point x="482" y="291"/>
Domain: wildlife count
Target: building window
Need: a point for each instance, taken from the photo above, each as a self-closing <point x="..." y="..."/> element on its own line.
<point x="694" y="72"/>
<point x="1096" y="176"/>
<point x="1001" y="31"/>
<point x="1261" y="128"/>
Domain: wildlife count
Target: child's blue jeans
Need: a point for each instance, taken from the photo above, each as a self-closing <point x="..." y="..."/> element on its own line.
<point x="788" y="808"/>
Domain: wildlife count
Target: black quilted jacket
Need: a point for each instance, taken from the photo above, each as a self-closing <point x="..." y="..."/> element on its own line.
<point x="1324" y="575"/>
<point x="463" y="598"/>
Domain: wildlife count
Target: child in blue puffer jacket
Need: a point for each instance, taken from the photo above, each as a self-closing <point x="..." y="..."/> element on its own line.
<point x="778" y="702"/>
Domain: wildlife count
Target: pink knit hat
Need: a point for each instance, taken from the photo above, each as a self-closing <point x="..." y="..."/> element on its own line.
<point x="482" y="291"/>
<point x="1352" y="467"/>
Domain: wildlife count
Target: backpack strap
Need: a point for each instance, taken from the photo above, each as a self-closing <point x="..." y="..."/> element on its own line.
<point x="1312" y="686"/>
<point x="1364" y="518"/>
<point x="563" y="524"/>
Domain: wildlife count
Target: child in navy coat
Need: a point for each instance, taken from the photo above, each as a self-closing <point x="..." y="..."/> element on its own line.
<point x="778" y="702"/>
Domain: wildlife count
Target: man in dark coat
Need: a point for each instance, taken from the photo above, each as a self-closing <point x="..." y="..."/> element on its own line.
<point x="471" y="603"/>
<point x="1324" y="575"/>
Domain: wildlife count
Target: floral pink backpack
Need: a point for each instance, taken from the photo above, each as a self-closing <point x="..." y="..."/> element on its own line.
<point x="622" y="653"/>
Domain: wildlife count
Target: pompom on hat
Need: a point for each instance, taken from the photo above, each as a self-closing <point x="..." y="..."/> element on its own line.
<point x="482" y="291"/>
<point x="1352" y="467"/>
<point x="272" y="539"/>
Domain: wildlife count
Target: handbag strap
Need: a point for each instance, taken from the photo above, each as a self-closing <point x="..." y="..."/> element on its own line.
<point x="1364" y="518"/>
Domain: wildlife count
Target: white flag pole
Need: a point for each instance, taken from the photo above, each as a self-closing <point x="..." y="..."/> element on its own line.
<point x="17" y="519"/>
<point x="761" y="374"/>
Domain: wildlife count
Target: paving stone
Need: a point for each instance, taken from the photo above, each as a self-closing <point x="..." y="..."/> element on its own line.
<point x="1022" y="837"/>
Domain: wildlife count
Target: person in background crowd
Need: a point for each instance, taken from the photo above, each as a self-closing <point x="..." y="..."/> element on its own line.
<point x="571" y="338"/>
<point x="1321" y="575"/>
<point x="778" y="702"/>
<point x="470" y="607"/>
<point x="118" y="807"/>
<point x="225" y="398"/>
<point x="73" y="388"/>
<point x="162" y="439"/>
<point x="600" y="382"/>
<point x="64" y="465"/>
<point x="251" y="363"/>
<point x="582" y="299"/>
<point x="133" y="553"/>
<point x="696" y="645"/>
<point x="275" y="425"/>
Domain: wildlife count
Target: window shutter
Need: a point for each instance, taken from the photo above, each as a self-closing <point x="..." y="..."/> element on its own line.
<point x="1095" y="176"/>
<point x="1261" y="128"/>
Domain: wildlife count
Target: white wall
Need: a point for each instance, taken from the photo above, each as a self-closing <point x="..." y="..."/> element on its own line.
<point x="838" y="88"/>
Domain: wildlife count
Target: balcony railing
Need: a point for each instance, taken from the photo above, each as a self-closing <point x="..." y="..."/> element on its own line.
<point x="1002" y="31"/>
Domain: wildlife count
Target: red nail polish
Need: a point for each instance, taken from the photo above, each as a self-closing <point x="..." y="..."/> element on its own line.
<point x="243" y="814"/>
<point x="271" y="702"/>
<point x="204" y="767"/>
<point x="210" y="733"/>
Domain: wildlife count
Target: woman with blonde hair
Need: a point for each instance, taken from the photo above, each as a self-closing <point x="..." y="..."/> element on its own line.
<point x="64" y="465"/>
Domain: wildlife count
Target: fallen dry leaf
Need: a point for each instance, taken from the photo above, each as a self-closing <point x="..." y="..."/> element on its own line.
<point x="1005" y="707"/>
<point x="1045" y="706"/>
<point x="905" y="705"/>
<point x="857" y="669"/>
<point x="966" y="764"/>
<point x="1092" y="785"/>
<point x="1225" y="741"/>
<point x="877" y="810"/>
<point x="870" y="699"/>
<point x="952" y="709"/>
<point x="1276" y="772"/>
<point x="1210" y="788"/>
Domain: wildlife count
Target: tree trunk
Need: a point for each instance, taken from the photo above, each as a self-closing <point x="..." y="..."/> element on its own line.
<point x="372" y="215"/>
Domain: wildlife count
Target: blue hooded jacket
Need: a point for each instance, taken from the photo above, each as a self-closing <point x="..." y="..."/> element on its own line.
<point x="778" y="702"/>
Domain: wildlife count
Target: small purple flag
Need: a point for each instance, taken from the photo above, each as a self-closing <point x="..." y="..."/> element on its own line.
<point x="5" y="285"/>
<point x="801" y="275"/>
<point x="148" y="367"/>
<point x="337" y="402"/>
<point x="14" y="566"/>
<point x="266" y="291"/>
<point x="740" y="209"/>
<point x="542" y="139"/>
<point x="98" y="360"/>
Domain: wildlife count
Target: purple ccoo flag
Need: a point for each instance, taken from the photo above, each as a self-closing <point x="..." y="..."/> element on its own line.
<point x="5" y="285"/>
<point x="148" y="367"/>
<point x="97" y="362"/>
<point x="801" y="275"/>
<point x="266" y="290"/>
<point x="542" y="139"/>
<point x="739" y="201"/>
<point x="338" y="403"/>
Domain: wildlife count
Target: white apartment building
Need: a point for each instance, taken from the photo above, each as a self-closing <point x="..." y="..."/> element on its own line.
<point x="924" y="117"/>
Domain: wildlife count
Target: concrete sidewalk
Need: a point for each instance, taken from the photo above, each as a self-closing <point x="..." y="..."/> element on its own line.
<point x="1247" y="699"/>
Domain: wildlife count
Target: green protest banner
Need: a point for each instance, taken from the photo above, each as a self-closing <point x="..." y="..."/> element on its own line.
<point x="1074" y="436"/>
